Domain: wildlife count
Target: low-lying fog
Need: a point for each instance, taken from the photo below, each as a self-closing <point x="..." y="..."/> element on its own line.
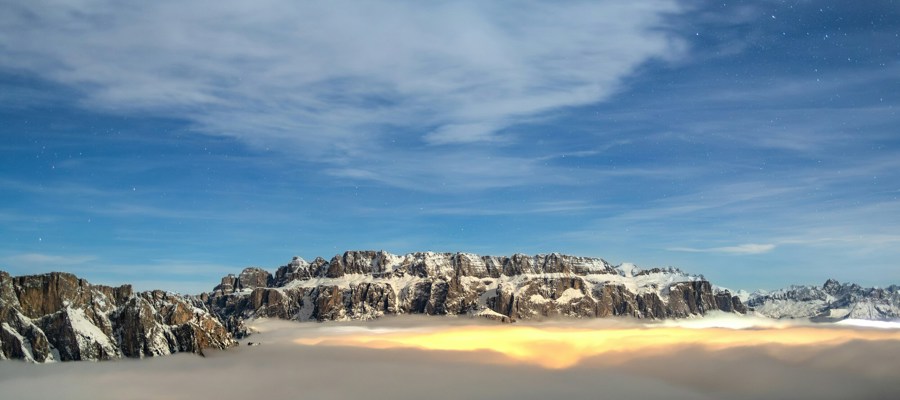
<point x="445" y="358"/>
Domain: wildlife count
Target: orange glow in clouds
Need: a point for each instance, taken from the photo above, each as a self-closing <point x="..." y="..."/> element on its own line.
<point x="562" y="347"/>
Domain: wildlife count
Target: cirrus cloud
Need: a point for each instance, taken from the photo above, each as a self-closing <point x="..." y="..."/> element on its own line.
<point x="342" y="80"/>
<point x="748" y="248"/>
<point x="46" y="260"/>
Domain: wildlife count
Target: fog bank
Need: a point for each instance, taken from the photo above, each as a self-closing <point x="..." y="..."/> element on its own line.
<point x="861" y="367"/>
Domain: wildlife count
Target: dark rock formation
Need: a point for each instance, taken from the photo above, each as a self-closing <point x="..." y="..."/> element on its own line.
<point x="250" y="278"/>
<point x="370" y="284"/>
<point x="59" y="317"/>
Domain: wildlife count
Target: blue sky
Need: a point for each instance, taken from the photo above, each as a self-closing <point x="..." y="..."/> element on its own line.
<point x="167" y="144"/>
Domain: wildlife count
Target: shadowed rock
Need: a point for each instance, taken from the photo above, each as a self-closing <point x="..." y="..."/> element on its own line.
<point x="58" y="316"/>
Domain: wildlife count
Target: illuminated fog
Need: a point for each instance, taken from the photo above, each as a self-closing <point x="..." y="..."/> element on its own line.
<point x="386" y="359"/>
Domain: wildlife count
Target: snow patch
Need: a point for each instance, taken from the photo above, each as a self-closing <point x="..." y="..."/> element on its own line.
<point x="87" y="334"/>
<point x="568" y="295"/>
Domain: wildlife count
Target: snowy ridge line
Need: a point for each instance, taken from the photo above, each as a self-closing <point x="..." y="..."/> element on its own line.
<point x="381" y="264"/>
<point x="831" y="302"/>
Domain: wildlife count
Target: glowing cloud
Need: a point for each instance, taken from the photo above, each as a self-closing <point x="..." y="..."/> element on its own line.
<point x="562" y="347"/>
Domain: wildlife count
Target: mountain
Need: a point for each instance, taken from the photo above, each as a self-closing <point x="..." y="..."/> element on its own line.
<point x="369" y="284"/>
<point x="59" y="317"/>
<point x="831" y="301"/>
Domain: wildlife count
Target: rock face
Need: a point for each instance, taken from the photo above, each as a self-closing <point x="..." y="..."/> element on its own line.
<point x="831" y="301"/>
<point x="59" y="317"/>
<point x="370" y="284"/>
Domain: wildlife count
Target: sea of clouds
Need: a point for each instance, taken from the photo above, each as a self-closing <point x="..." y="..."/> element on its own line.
<point x="282" y="368"/>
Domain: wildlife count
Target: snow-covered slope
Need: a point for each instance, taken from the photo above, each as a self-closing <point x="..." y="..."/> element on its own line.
<point x="831" y="301"/>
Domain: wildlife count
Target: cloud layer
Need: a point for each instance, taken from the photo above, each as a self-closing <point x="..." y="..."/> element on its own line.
<point x="860" y="369"/>
<point x="335" y="77"/>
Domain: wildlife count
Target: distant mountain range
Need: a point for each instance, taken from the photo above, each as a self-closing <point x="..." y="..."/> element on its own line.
<point x="830" y="302"/>
<point x="59" y="317"/>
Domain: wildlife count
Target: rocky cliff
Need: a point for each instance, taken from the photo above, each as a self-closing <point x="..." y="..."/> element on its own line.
<point x="832" y="301"/>
<point x="59" y="317"/>
<point x="370" y="284"/>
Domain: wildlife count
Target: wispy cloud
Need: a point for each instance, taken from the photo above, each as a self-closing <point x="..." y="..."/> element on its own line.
<point x="46" y="261"/>
<point x="339" y="79"/>
<point x="741" y="249"/>
<point x="62" y="189"/>
<point x="543" y="207"/>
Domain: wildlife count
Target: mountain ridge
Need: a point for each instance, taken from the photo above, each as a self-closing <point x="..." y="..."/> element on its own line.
<point x="832" y="301"/>
<point x="59" y="317"/>
<point x="370" y="284"/>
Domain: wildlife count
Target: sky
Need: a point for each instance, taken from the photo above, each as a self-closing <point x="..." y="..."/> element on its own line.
<point x="170" y="143"/>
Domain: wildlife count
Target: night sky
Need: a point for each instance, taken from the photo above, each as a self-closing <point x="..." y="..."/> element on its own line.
<point x="169" y="143"/>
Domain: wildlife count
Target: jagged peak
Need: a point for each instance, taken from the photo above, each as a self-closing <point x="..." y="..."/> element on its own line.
<point x="628" y="269"/>
<point x="832" y="286"/>
<point x="831" y="282"/>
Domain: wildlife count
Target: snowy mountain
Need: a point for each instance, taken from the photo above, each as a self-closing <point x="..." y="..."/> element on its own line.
<point x="59" y="317"/>
<point x="370" y="284"/>
<point x="831" y="301"/>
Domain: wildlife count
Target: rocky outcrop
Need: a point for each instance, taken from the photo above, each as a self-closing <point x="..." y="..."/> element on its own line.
<point x="831" y="301"/>
<point x="370" y="284"/>
<point x="59" y="317"/>
<point x="248" y="279"/>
